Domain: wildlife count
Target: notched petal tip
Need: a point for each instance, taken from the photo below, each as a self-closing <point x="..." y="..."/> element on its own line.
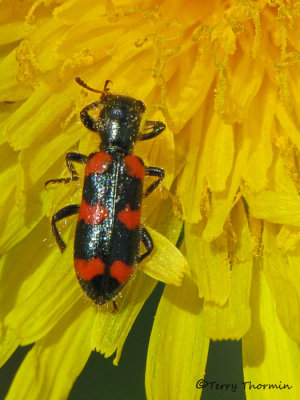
<point x="167" y="264"/>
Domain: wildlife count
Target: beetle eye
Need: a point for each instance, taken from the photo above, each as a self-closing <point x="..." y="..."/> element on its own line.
<point x="141" y="106"/>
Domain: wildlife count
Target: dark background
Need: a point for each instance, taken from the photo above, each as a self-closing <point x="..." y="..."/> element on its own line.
<point x="127" y="380"/>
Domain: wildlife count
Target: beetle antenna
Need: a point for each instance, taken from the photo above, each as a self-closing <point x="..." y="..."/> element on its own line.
<point x="83" y="84"/>
<point x="106" y="89"/>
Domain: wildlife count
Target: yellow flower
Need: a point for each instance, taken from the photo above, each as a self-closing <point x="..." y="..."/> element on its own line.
<point x="223" y="76"/>
<point x="41" y="301"/>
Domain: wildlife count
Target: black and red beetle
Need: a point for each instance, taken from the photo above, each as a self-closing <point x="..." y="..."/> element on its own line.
<point x="108" y="233"/>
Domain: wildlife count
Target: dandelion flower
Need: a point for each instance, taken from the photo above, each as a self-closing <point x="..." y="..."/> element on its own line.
<point x="223" y="76"/>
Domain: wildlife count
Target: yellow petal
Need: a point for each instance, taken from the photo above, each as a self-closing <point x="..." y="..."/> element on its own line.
<point x="10" y="88"/>
<point x="27" y="211"/>
<point x="6" y="109"/>
<point x="191" y="182"/>
<point x="244" y="90"/>
<point x="7" y="179"/>
<point x="282" y="273"/>
<point x="284" y="181"/>
<point x="162" y="213"/>
<point x="13" y="31"/>
<point x="26" y="127"/>
<point x="45" y="292"/>
<point x="167" y="263"/>
<point x="189" y="92"/>
<point x="276" y="207"/>
<point x="71" y="11"/>
<point x="287" y="124"/>
<point x="199" y="168"/>
<point x="209" y="264"/>
<point x="221" y="203"/>
<point x="178" y="346"/>
<point x="218" y="154"/>
<point x="8" y="344"/>
<point x="288" y="238"/>
<point x="270" y="356"/>
<point x="111" y="329"/>
<point x="160" y="152"/>
<point x="232" y="320"/>
<point x="52" y="365"/>
<point x="36" y="165"/>
<point x="21" y="221"/>
<point x="259" y="128"/>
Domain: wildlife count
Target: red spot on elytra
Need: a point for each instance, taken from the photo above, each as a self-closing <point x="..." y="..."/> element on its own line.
<point x="99" y="163"/>
<point x="134" y="167"/>
<point x="92" y="214"/>
<point x="120" y="271"/>
<point x="87" y="269"/>
<point x="130" y="218"/>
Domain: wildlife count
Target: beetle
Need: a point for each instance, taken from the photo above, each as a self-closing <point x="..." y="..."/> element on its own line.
<point x="109" y="232"/>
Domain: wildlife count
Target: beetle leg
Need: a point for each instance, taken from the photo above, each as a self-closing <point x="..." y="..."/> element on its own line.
<point x="70" y="158"/>
<point x="157" y="128"/>
<point x="61" y="214"/>
<point x="148" y="243"/>
<point x="87" y="120"/>
<point x="115" y="310"/>
<point x="153" y="171"/>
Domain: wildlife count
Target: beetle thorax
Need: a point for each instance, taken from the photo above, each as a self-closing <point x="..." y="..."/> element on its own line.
<point x="120" y="120"/>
